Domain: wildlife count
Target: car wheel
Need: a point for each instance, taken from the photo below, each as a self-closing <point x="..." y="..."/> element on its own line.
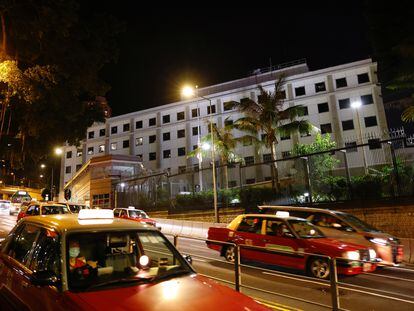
<point x="229" y="253"/>
<point x="319" y="268"/>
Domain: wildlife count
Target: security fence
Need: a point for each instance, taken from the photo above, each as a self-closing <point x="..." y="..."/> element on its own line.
<point x="376" y="169"/>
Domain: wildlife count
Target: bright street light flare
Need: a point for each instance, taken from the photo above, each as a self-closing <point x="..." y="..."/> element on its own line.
<point x="187" y="91"/>
<point x="58" y="151"/>
<point x="356" y="104"/>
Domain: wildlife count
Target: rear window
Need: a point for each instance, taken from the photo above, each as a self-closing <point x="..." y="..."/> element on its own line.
<point x="54" y="209"/>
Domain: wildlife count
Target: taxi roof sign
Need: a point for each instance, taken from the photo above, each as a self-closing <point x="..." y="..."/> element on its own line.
<point x="282" y="214"/>
<point x="96" y="214"/>
<point x="131" y="207"/>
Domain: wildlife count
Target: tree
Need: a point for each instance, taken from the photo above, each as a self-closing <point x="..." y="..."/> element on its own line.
<point x="51" y="56"/>
<point x="224" y="145"/>
<point x="270" y="116"/>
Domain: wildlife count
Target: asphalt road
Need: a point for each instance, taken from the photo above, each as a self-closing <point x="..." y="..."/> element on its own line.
<point x="282" y="287"/>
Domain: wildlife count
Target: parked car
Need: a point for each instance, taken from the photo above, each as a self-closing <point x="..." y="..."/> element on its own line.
<point x="134" y="214"/>
<point x="290" y="234"/>
<point x="42" y="208"/>
<point x="5" y="207"/>
<point x="75" y="207"/>
<point x="348" y="228"/>
<point x="92" y="261"/>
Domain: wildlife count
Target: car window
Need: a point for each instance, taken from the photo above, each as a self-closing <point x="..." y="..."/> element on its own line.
<point x="22" y="244"/>
<point x="124" y="213"/>
<point x="116" y="212"/>
<point x="305" y="229"/>
<point x="251" y="224"/>
<point x="33" y="210"/>
<point x="137" y="214"/>
<point x="46" y="253"/>
<point x="54" y="209"/>
<point x="272" y="226"/>
<point x="300" y="214"/>
<point x="74" y="208"/>
<point x="329" y="221"/>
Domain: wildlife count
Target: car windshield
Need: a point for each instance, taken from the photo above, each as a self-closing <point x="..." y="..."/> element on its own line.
<point x="358" y="223"/>
<point x="116" y="259"/>
<point x="137" y="214"/>
<point x="305" y="229"/>
<point x="54" y="209"/>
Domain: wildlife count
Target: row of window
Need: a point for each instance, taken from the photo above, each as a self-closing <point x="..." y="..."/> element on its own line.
<point x="340" y="83"/>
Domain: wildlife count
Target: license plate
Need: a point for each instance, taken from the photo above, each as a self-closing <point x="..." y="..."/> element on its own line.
<point x="366" y="266"/>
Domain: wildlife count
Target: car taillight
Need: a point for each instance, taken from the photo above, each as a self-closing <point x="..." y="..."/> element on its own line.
<point x="400" y="251"/>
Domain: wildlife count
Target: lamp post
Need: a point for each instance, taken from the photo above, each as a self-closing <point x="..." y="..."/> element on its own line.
<point x="189" y="92"/>
<point x="58" y="152"/>
<point x="356" y="105"/>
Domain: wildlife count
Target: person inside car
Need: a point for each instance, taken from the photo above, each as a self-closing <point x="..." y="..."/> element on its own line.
<point x="80" y="267"/>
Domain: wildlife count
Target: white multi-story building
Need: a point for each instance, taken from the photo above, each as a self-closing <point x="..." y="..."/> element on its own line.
<point x="162" y="136"/>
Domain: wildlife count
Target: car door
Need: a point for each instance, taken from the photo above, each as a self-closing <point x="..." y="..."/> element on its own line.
<point x="279" y="236"/>
<point x="249" y="232"/>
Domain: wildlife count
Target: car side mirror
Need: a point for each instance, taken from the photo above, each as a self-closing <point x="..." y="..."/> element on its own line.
<point x="44" y="278"/>
<point x="188" y="259"/>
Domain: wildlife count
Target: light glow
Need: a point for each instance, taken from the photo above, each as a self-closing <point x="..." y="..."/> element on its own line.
<point x="352" y="255"/>
<point x="206" y="146"/>
<point x="144" y="260"/>
<point x="187" y="91"/>
<point x="58" y="151"/>
<point x="170" y="289"/>
<point x="372" y="253"/>
<point x="356" y="104"/>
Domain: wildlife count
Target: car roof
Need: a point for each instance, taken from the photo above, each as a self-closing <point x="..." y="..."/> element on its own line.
<point x="70" y="222"/>
<point x="298" y="208"/>
<point x="271" y="216"/>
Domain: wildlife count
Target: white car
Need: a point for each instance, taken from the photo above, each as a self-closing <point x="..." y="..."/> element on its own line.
<point x="5" y="207"/>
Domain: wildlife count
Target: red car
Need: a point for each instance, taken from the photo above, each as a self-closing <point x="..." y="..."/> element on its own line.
<point x="92" y="261"/>
<point x="42" y="208"/>
<point x="290" y="234"/>
<point x="134" y="214"/>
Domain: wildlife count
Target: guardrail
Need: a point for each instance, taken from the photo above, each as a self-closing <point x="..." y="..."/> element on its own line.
<point x="333" y="283"/>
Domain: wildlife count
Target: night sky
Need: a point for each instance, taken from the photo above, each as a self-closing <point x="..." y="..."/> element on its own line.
<point x="162" y="48"/>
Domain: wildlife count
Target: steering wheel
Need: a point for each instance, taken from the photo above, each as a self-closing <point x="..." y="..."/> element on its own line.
<point x="85" y="272"/>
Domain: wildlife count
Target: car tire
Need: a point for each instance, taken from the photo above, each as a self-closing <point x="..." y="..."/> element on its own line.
<point x="229" y="253"/>
<point x="318" y="268"/>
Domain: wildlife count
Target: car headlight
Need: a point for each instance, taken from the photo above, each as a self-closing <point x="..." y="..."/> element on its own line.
<point x="372" y="254"/>
<point x="379" y="241"/>
<point x="352" y="255"/>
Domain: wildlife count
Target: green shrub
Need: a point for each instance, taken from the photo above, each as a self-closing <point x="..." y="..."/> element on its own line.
<point x="250" y="198"/>
<point x="367" y="187"/>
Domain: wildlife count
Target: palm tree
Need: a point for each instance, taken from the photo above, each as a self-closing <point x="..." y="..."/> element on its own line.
<point x="270" y="117"/>
<point x="224" y="145"/>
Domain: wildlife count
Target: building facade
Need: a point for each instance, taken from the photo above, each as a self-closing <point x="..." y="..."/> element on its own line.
<point x="161" y="137"/>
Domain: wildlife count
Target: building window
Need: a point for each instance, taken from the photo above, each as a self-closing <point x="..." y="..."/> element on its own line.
<point x="284" y="137"/>
<point x="263" y="137"/>
<point x="196" y="129"/>
<point x="195" y="147"/>
<point x="323" y="107"/>
<point x="249" y="160"/>
<point x="352" y="145"/>
<point x="138" y="124"/>
<point x="126" y="127"/>
<point x="195" y="112"/>
<point x="167" y="154"/>
<point x="182" y="169"/>
<point x="102" y="132"/>
<point x="101" y="201"/>
<point x="370" y="121"/>
<point x="68" y="169"/>
<point x="79" y="152"/>
<point x="90" y="150"/>
<point x="267" y="157"/>
<point x="91" y="135"/>
<point x="114" y="146"/>
<point x="181" y="151"/>
<point x="228" y="106"/>
<point x="341" y="82"/>
<point x="78" y="167"/>
<point x="244" y="100"/>
<point x="363" y="78"/>
<point x="181" y="133"/>
<point x="152" y="156"/>
<point x="374" y="143"/>
<point x="180" y="115"/>
<point x="228" y="122"/>
<point x="211" y="109"/>
<point x="152" y="139"/>
<point x="140" y="158"/>
<point x="125" y="143"/>
<point x="101" y="148"/>
<point x="139" y="141"/>
<point x="320" y="87"/>
<point x="152" y="122"/>
<point x="166" y="136"/>
<point x="114" y="130"/>
<point x="347" y="125"/>
<point x="300" y="91"/>
<point x="367" y="99"/>
<point x="69" y="155"/>
<point x="344" y="103"/>
<point x="250" y="181"/>
<point x="166" y="118"/>
<point x="326" y="128"/>
<point x="304" y="111"/>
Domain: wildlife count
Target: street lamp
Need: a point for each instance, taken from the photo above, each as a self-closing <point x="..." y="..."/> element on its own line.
<point x="356" y="105"/>
<point x="188" y="92"/>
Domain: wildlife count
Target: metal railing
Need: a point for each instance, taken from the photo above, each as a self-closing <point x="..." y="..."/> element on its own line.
<point x="333" y="283"/>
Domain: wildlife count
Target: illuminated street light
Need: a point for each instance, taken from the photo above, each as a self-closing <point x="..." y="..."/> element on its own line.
<point x="356" y="105"/>
<point x="205" y="146"/>
<point x="41" y="176"/>
<point x="42" y="165"/>
<point x="188" y="91"/>
<point x="58" y="151"/>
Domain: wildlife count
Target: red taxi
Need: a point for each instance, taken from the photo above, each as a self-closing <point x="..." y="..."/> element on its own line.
<point x="294" y="237"/>
<point x="92" y="261"/>
<point x="134" y="214"/>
